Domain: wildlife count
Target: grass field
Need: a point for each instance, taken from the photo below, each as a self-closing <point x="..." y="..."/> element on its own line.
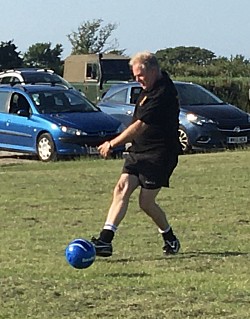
<point x="45" y="206"/>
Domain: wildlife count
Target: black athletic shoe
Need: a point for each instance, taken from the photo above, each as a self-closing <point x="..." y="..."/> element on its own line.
<point x="171" y="247"/>
<point x="102" y="249"/>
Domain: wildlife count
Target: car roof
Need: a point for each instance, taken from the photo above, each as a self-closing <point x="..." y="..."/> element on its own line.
<point x="26" y="70"/>
<point x="113" y="89"/>
<point x="134" y="83"/>
<point x="32" y="88"/>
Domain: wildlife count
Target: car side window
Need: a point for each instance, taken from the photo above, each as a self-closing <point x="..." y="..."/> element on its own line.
<point x="15" y="80"/>
<point x="91" y="71"/>
<point x="4" y="97"/>
<point x="18" y="102"/>
<point x="5" y="80"/>
<point x="120" y="97"/>
<point x="135" y="92"/>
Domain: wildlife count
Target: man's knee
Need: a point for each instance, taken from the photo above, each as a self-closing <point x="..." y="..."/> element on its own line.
<point x="125" y="186"/>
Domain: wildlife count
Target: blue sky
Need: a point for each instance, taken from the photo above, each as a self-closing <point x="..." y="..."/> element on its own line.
<point x="222" y="26"/>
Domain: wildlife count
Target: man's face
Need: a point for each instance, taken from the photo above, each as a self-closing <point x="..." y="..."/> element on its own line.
<point x="145" y="77"/>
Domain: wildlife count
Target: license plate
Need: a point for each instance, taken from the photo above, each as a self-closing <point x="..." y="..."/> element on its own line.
<point x="237" y="139"/>
<point x="92" y="150"/>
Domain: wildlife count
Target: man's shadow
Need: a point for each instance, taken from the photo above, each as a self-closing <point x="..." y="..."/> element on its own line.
<point x="182" y="255"/>
<point x="198" y="254"/>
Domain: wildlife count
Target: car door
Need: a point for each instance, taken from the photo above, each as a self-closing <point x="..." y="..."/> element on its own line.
<point x="19" y="131"/>
<point x="4" y="110"/>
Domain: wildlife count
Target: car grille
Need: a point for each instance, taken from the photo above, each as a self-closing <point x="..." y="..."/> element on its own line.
<point x="101" y="133"/>
<point x="236" y="131"/>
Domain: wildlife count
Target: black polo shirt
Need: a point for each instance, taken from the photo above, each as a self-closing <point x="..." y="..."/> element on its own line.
<point x="159" y="109"/>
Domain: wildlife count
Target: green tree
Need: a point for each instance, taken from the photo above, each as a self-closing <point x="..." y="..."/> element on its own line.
<point x="92" y="37"/>
<point x="118" y="52"/>
<point x="9" y="57"/>
<point x="185" y="61"/>
<point x="41" y="55"/>
<point x="239" y="66"/>
<point x="194" y="61"/>
<point x="181" y="54"/>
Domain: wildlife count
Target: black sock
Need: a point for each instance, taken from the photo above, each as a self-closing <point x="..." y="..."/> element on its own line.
<point x="106" y="235"/>
<point x="169" y="235"/>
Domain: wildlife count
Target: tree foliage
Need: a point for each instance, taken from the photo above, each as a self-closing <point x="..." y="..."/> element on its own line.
<point x="118" y="52"/>
<point x="194" y="61"/>
<point x="183" y="54"/>
<point x="9" y="57"/>
<point x="41" y="55"/>
<point x="92" y="37"/>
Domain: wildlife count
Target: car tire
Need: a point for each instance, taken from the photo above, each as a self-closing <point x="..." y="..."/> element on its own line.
<point x="184" y="140"/>
<point x="46" y="150"/>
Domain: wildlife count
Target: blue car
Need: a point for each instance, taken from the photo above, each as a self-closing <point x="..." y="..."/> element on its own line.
<point x="52" y="121"/>
<point x="206" y="122"/>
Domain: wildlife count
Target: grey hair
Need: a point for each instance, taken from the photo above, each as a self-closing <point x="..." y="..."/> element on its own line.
<point x="145" y="59"/>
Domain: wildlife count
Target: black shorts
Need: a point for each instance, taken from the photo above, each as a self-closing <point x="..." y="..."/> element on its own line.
<point x="152" y="174"/>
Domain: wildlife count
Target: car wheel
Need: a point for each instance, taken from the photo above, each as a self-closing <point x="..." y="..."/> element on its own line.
<point x="46" y="148"/>
<point x="185" y="146"/>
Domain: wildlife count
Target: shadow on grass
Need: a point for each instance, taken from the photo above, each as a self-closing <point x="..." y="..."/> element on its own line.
<point x="128" y="275"/>
<point x="182" y="255"/>
<point x="195" y="254"/>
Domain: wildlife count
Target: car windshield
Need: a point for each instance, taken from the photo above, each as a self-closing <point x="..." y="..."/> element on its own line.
<point x="48" y="102"/>
<point x="44" y="77"/>
<point x="190" y="94"/>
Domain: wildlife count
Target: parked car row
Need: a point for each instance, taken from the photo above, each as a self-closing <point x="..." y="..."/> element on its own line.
<point x="206" y="122"/>
<point x="42" y="114"/>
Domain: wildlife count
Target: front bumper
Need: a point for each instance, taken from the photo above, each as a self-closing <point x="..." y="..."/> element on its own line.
<point x="81" y="145"/>
<point x="208" y="137"/>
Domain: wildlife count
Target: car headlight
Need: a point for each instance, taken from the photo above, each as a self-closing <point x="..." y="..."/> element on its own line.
<point x="248" y="117"/>
<point x="199" y="120"/>
<point x="72" y="131"/>
<point x="121" y="128"/>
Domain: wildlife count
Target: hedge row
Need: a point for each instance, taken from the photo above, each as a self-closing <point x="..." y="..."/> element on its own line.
<point x="232" y="90"/>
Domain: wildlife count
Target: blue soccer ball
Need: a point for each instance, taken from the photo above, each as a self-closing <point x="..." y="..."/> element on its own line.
<point x="80" y="253"/>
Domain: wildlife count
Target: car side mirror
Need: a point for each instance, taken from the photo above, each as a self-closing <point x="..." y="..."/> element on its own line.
<point x="23" y="112"/>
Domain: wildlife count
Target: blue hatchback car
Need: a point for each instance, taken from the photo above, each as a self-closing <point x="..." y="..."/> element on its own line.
<point x="52" y="121"/>
<point x="206" y="122"/>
